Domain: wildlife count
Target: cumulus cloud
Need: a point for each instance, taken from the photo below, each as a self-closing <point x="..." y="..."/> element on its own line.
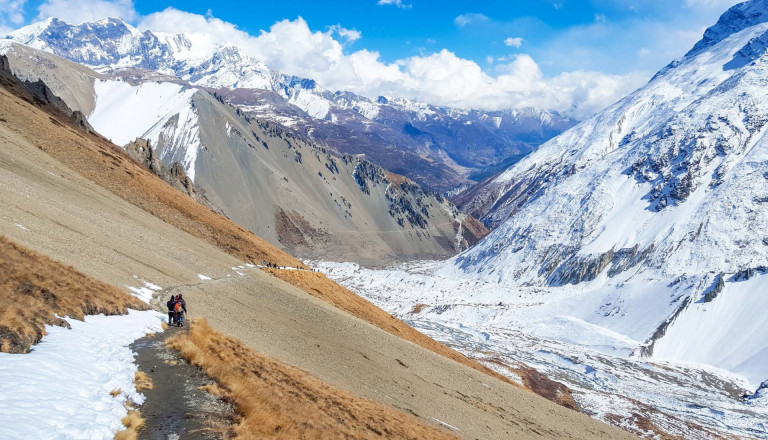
<point x="513" y="42"/>
<point x="470" y="18"/>
<point x="440" y="78"/>
<point x="79" y="11"/>
<point x="12" y="11"/>
<point x="398" y="3"/>
<point x="350" y="35"/>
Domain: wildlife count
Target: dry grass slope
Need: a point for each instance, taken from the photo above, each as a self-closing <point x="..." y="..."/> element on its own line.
<point x="133" y="423"/>
<point x="34" y="289"/>
<point x="276" y="401"/>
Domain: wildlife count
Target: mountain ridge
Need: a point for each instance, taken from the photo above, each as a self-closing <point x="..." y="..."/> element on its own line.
<point x="446" y="145"/>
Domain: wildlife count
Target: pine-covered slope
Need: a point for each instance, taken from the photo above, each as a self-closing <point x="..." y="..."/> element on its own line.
<point x="437" y="147"/>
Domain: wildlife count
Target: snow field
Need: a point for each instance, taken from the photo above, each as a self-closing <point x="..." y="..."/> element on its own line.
<point x="61" y="389"/>
<point x="159" y="112"/>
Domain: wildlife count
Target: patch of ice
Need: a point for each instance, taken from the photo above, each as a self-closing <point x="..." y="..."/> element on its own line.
<point x="203" y="277"/>
<point x="143" y="293"/>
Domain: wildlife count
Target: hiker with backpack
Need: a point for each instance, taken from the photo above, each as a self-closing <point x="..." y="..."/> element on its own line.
<point x="171" y="316"/>
<point x="179" y="309"/>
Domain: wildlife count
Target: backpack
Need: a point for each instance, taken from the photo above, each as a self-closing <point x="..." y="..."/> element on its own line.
<point x="177" y="307"/>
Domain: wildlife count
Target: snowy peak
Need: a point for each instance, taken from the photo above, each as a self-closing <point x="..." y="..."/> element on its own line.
<point x="734" y="20"/>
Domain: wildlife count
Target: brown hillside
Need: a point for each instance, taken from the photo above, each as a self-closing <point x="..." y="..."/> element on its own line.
<point x="110" y="167"/>
<point x="318" y="285"/>
<point x="34" y="289"/>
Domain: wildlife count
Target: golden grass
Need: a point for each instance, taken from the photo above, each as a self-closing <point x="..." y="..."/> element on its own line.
<point x="34" y="289"/>
<point x="115" y="393"/>
<point x="142" y="381"/>
<point x="277" y="401"/>
<point x="133" y="423"/>
<point x="214" y="389"/>
<point x="418" y="308"/>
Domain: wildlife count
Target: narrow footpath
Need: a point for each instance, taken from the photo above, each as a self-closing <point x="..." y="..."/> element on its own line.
<point x="176" y="408"/>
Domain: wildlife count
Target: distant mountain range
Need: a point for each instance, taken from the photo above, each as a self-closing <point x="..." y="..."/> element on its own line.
<point x="268" y="178"/>
<point x="628" y="252"/>
<point x="438" y="147"/>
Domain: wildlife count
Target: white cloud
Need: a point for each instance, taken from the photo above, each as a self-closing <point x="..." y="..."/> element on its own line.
<point x="513" y="42"/>
<point x="78" y="11"/>
<point x="470" y="18"/>
<point x="350" y="35"/>
<point x="11" y="11"/>
<point x="398" y="3"/>
<point x="440" y="78"/>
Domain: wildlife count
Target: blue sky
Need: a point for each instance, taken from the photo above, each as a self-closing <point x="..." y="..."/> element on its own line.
<point x="477" y="30"/>
<point x="568" y="55"/>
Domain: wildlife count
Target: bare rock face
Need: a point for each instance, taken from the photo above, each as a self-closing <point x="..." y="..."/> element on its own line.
<point x="142" y="152"/>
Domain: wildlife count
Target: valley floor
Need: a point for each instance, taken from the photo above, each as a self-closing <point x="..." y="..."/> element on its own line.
<point x="645" y="396"/>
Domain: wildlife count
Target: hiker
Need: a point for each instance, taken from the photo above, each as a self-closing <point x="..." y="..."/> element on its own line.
<point x="179" y="308"/>
<point x="171" y="302"/>
<point x="183" y="303"/>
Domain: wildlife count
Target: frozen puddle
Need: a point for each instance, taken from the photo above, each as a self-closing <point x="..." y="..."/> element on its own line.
<point x="61" y="389"/>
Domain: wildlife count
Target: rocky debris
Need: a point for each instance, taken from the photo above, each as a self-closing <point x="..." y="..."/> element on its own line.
<point x="142" y="152"/>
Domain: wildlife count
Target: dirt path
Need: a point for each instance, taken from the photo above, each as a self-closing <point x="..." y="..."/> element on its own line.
<point x="176" y="407"/>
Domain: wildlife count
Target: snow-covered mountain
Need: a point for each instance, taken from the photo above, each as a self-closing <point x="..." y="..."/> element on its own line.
<point x="640" y="233"/>
<point x="655" y="208"/>
<point x="437" y="147"/>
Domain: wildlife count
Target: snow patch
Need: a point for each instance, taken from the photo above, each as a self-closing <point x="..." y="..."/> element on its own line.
<point x="162" y="113"/>
<point x="61" y="389"/>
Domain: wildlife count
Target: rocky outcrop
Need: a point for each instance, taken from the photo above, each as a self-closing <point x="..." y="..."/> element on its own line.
<point x="142" y="152"/>
<point x="715" y="289"/>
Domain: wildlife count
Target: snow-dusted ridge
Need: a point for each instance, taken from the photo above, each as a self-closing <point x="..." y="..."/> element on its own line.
<point x="664" y="188"/>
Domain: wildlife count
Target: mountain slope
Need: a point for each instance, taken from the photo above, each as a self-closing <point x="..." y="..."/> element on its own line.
<point x="437" y="147"/>
<point x="72" y="195"/>
<point x="630" y="256"/>
<point x="319" y="204"/>
<point x="654" y="209"/>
